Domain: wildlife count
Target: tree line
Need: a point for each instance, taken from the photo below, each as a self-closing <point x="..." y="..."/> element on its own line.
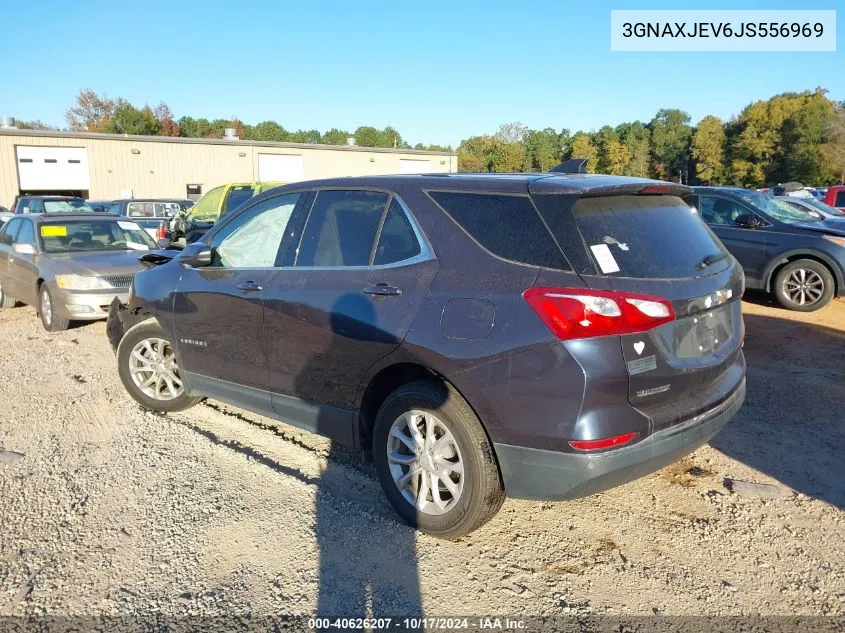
<point x="93" y="112"/>
<point x="790" y="137"/>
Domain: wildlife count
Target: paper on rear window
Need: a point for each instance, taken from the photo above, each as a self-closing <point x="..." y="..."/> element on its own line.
<point x="648" y="236"/>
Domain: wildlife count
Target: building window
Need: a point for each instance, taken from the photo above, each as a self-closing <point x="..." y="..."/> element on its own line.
<point x="193" y="192"/>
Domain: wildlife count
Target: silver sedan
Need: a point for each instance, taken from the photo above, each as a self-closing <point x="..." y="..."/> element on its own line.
<point x="69" y="266"/>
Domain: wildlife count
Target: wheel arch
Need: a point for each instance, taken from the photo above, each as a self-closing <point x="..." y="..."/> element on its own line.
<point x="787" y="257"/>
<point x="386" y="378"/>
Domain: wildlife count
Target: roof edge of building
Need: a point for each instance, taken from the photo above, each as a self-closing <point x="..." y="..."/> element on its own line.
<point x="213" y="141"/>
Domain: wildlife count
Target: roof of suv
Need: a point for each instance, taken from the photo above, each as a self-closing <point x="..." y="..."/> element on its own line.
<point x="546" y="183"/>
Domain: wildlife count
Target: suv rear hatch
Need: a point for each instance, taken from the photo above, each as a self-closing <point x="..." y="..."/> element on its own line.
<point x="645" y="247"/>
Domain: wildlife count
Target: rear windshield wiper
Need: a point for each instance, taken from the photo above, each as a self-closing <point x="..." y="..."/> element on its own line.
<point x="709" y="260"/>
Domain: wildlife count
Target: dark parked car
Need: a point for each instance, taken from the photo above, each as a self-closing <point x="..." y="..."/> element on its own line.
<point x="783" y="250"/>
<point x="540" y="336"/>
<point x="100" y="206"/>
<point x="69" y="266"/>
<point x="152" y="214"/>
<point x="50" y="204"/>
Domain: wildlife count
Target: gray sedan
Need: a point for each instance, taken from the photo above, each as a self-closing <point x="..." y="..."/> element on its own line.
<point x="69" y="266"/>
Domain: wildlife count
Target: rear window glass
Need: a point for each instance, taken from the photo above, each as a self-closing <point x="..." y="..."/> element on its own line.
<point x="646" y="236"/>
<point x="507" y="226"/>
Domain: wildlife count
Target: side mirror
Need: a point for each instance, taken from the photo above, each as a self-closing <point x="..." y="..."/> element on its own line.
<point x="196" y="255"/>
<point x="748" y="221"/>
<point x="164" y="242"/>
<point x="23" y="249"/>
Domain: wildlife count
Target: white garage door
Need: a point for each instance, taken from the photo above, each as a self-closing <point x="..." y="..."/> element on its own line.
<point x="280" y="167"/>
<point x="52" y="168"/>
<point x="414" y="166"/>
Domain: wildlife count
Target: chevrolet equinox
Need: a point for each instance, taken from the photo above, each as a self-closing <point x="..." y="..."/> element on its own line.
<point x="541" y="336"/>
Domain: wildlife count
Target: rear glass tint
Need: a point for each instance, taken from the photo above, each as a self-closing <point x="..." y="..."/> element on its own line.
<point x="840" y="199"/>
<point x="647" y="237"/>
<point x="507" y="226"/>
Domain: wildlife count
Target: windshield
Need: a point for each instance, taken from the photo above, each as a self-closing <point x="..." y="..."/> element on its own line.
<point x="777" y="209"/>
<point x="66" y="206"/>
<point x="76" y="236"/>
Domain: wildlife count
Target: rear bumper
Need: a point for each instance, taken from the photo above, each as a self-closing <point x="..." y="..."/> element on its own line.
<point x="531" y="473"/>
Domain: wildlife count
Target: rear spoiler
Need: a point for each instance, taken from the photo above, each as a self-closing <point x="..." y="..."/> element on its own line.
<point x="600" y="185"/>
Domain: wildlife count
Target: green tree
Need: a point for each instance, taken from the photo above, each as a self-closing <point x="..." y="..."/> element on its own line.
<point x="636" y="138"/>
<point x="35" y="124"/>
<point x="514" y="132"/>
<point x="583" y="147"/>
<point x="708" y="149"/>
<point x="670" y="140"/>
<point x="127" y="119"/>
<point x="335" y="137"/>
<point x="542" y="149"/>
<point x="614" y="157"/>
<point x="305" y="136"/>
<point x="803" y="138"/>
<point x="834" y="149"/>
<point x="475" y="154"/>
<point x="268" y="131"/>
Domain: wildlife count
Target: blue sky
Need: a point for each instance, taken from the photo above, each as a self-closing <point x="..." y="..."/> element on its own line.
<point x="437" y="71"/>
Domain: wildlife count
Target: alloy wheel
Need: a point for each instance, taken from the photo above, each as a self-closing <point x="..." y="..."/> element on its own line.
<point x="152" y="366"/>
<point x="803" y="286"/>
<point x="425" y="462"/>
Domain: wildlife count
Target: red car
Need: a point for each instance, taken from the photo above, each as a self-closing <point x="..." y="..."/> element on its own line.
<point x="835" y="197"/>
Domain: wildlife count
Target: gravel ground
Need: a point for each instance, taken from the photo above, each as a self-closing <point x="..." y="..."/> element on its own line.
<point x="105" y="509"/>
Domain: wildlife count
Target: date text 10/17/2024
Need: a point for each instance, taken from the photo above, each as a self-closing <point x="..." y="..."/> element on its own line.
<point x="445" y="624"/>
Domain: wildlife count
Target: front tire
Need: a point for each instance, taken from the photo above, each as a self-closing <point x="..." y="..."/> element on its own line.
<point x="434" y="460"/>
<point x="50" y="318"/>
<point x="804" y="285"/>
<point x="147" y="366"/>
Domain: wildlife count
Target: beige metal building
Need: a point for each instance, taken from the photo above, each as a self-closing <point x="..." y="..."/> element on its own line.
<point x="108" y="166"/>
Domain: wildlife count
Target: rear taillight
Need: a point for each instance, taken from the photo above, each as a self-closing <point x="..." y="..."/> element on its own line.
<point x="606" y="442"/>
<point x="162" y="232"/>
<point x="572" y="313"/>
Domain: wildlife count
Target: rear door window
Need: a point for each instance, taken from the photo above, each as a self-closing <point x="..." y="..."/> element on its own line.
<point x="840" y="199"/>
<point x="646" y="236"/>
<point x="507" y="226"/>
<point x="397" y="241"/>
<point x="342" y="228"/>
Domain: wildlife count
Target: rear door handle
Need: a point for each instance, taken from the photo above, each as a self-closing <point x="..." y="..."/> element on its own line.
<point x="250" y="286"/>
<point x="383" y="290"/>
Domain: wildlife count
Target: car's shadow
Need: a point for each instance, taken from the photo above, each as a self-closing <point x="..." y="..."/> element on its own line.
<point x="792" y="426"/>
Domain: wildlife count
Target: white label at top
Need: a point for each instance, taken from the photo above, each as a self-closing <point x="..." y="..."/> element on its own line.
<point x="723" y="30"/>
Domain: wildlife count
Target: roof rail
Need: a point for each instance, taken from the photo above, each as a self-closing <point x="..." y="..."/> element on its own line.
<point x="571" y="166"/>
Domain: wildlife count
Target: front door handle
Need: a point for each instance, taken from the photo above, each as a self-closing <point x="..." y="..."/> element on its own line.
<point x="383" y="290"/>
<point x="250" y="286"/>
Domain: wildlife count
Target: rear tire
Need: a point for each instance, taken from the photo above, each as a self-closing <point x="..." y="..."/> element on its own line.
<point x="5" y="300"/>
<point x="147" y="367"/>
<point x="453" y="456"/>
<point x="804" y="285"/>
<point x="50" y="319"/>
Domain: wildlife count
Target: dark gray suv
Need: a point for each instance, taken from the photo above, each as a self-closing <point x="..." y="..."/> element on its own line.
<point x="540" y="336"/>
